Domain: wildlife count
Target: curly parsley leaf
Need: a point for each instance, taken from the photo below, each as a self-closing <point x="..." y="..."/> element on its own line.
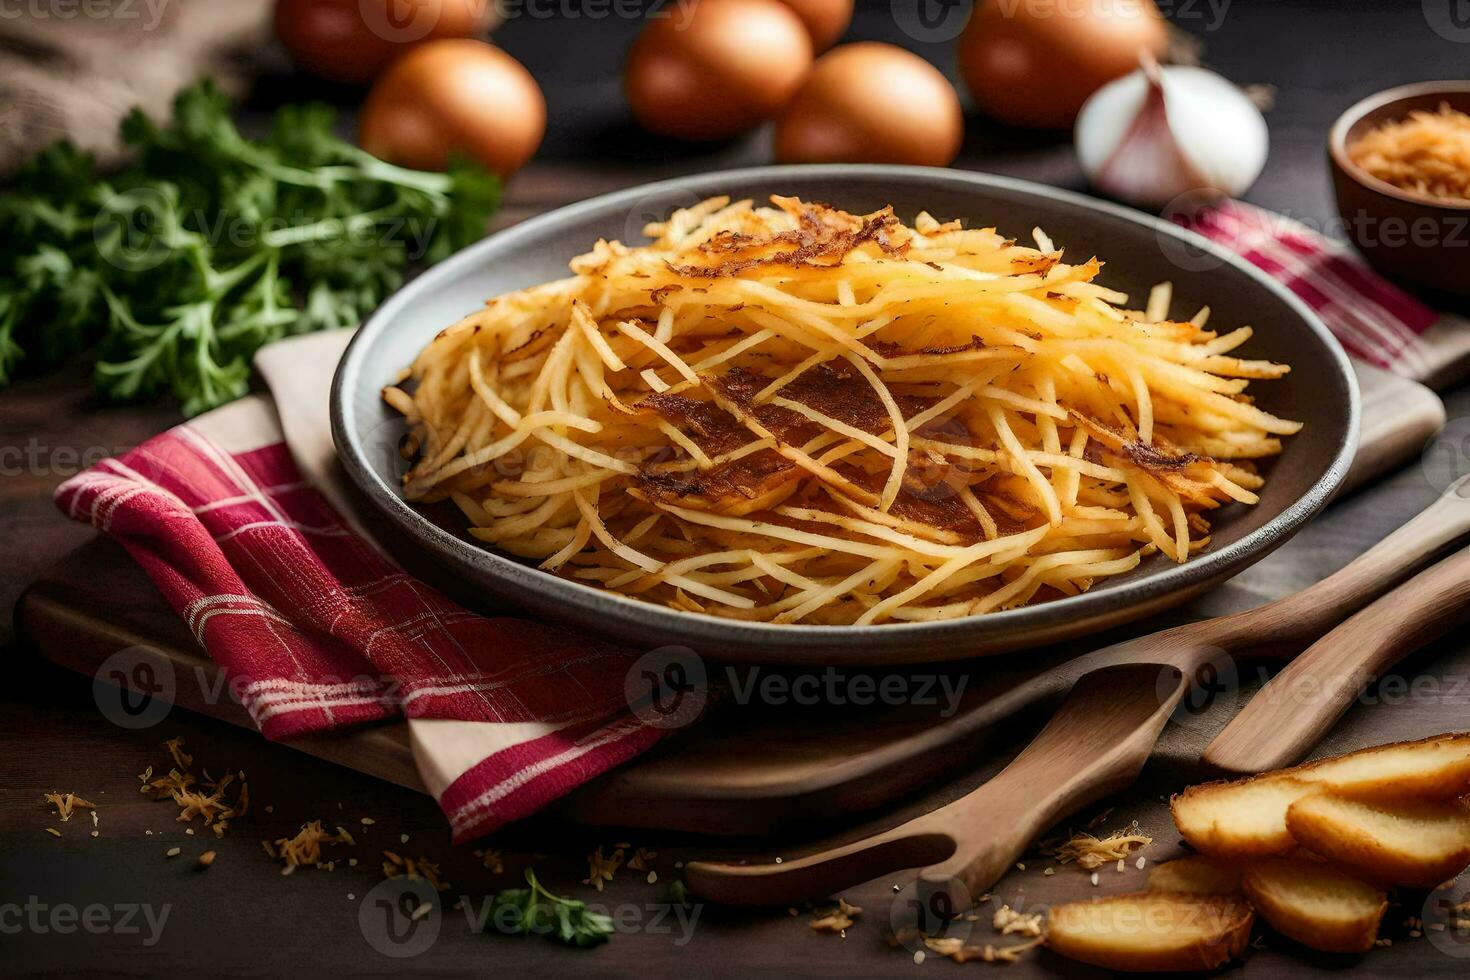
<point x="524" y="911"/>
<point x="211" y="245"/>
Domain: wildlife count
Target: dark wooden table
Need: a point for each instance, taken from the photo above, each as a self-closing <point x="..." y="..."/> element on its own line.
<point x="241" y="917"/>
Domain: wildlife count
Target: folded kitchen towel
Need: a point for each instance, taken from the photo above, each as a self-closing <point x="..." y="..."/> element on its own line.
<point x="1373" y="319"/>
<point x="320" y="631"/>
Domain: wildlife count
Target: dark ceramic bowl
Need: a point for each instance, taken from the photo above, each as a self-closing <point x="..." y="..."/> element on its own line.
<point x="1140" y="251"/>
<point x="1420" y="240"/>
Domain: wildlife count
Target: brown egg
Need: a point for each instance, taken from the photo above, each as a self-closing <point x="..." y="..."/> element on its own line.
<point x="1034" y="65"/>
<point x="825" y="20"/>
<point x="717" y="70"/>
<point x="454" y="96"/>
<point x="872" y="103"/>
<point x="352" y="40"/>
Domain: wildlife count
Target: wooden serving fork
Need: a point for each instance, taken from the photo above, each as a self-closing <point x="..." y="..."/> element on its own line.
<point x="1125" y="708"/>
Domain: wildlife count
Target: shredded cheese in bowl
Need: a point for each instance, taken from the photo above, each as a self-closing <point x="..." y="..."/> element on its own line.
<point x="1427" y="153"/>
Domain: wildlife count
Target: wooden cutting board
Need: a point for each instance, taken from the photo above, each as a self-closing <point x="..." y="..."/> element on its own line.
<point x="742" y="771"/>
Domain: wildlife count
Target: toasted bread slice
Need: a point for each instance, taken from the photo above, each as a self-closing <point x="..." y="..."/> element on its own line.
<point x="1435" y="768"/>
<point x="1316" y="904"/>
<point x="1239" y="820"/>
<point x="1196" y="874"/>
<point x="1152" y="931"/>
<point x="1418" y="843"/>
<point x="1247" y="818"/>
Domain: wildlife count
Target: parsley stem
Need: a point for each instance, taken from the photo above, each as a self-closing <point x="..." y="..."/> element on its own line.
<point x="324" y="230"/>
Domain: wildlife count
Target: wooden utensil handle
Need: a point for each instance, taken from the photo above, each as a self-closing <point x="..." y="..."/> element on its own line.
<point x="1095" y="744"/>
<point x="1292" y="712"/>
<point x="1308" y="614"/>
<point x="818" y="875"/>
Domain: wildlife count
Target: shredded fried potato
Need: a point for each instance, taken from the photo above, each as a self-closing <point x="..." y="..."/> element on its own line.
<point x="306" y="848"/>
<point x="1091" y="852"/>
<point x="395" y="866"/>
<point x="836" y="920"/>
<point x="1427" y="153"/>
<point x="1007" y="921"/>
<point x="197" y="797"/>
<point x="67" y="803"/>
<point x="793" y="414"/>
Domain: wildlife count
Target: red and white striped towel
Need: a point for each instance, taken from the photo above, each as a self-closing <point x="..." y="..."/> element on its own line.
<point x="1373" y="319"/>
<point x="318" y="631"/>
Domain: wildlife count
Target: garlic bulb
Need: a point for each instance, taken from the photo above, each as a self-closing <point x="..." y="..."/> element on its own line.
<point x="1152" y="136"/>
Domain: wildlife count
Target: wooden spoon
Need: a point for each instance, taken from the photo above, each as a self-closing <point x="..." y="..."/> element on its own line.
<point x="1095" y="744"/>
<point x="1292" y="712"/>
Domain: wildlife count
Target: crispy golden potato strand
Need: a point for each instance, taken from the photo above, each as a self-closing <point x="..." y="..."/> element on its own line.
<point x="793" y="414"/>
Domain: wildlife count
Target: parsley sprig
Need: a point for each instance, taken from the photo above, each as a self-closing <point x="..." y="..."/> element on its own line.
<point x="530" y="910"/>
<point x="211" y="245"/>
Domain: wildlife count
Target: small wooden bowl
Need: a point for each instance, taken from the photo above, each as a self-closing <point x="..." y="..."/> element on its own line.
<point x="1422" y="240"/>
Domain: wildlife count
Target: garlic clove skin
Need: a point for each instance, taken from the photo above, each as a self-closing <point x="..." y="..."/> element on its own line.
<point x="1225" y="137"/>
<point x="1159" y="133"/>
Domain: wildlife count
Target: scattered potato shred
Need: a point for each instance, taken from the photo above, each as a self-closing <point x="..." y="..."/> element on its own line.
<point x="1091" y="852"/>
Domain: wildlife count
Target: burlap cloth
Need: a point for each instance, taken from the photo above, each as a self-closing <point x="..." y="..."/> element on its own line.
<point x="74" y="68"/>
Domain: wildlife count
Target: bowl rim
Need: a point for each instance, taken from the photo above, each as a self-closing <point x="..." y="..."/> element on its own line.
<point x="1198" y="572"/>
<point x="1337" y="138"/>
